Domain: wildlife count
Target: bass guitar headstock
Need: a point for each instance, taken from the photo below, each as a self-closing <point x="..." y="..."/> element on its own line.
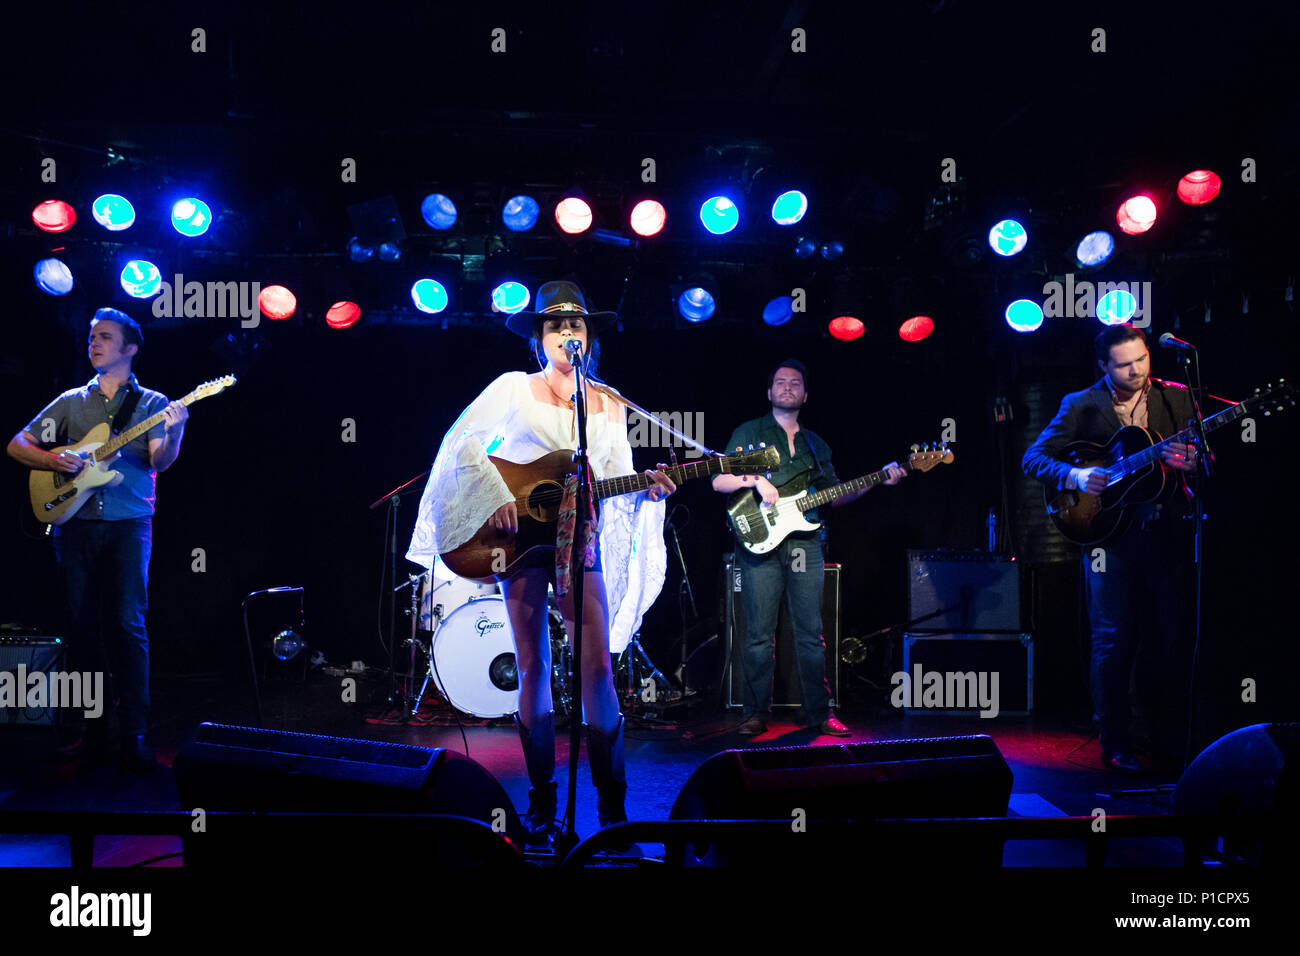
<point x="925" y="457"/>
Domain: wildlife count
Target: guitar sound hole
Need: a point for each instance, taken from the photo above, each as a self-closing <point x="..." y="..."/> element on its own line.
<point x="544" y="500"/>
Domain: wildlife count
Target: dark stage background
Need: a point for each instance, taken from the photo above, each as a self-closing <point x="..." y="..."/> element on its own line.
<point x="268" y="488"/>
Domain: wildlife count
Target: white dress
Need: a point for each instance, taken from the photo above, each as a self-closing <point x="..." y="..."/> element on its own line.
<point x="464" y="490"/>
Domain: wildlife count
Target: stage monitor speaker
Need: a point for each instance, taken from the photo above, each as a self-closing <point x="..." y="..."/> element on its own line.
<point x="938" y="777"/>
<point x="33" y="653"/>
<point x="785" y="683"/>
<point x="224" y="767"/>
<point x="963" y="591"/>
<point x="1249" y="771"/>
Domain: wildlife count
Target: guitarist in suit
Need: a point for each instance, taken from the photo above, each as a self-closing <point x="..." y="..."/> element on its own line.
<point x="105" y="546"/>
<point x="795" y="567"/>
<point x="519" y="417"/>
<point x="1147" y="569"/>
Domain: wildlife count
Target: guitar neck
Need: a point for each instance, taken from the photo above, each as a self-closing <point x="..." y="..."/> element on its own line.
<point x="819" y="498"/>
<point x="629" y="484"/>
<point x="110" y="448"/>
<point x="1139" y="460"/>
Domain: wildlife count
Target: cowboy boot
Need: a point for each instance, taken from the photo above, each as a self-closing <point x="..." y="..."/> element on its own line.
<point x="605" y="754"/>
<point x="539" y="756"/>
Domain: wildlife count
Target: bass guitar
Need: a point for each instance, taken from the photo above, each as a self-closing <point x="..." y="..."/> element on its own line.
<point x="538" y="489"/>
<point x="1135" y="473"/>
<point x="57" y="495"/>
<point x="759" y="528"/>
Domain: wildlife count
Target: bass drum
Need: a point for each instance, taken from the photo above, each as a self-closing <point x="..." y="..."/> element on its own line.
<point x="472" y="662"/>
<point x="449" y="592"/>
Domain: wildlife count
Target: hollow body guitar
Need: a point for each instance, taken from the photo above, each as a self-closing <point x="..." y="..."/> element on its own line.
<point x="1135" y="473"/>
<point x="538" y="488"/>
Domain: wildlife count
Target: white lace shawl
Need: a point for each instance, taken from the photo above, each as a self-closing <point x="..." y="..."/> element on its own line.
<point x="463" y="491"/>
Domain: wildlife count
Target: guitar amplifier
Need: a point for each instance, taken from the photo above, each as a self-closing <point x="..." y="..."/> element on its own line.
<point x="963" y="591"/>
<point x="34" y="653"/>
<point x="786" y="692"/>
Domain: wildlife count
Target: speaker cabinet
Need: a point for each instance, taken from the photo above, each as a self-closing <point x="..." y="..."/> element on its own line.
<point x="936" y="777"/>
<point x="33" y="653"/>
<point x="963" y="591"/>
<point x="223" y="767"/>
<point x="786" y="692"/>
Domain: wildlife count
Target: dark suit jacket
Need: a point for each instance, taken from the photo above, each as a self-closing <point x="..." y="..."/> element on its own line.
<point x="1089" y="415"/>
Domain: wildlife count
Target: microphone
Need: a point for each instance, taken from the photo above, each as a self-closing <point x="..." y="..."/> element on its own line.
<point x="1170" y="341"/>
<point x="571" y="348"/>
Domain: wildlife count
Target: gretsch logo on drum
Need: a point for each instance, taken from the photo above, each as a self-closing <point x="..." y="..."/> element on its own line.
<point x="485" y="624"/>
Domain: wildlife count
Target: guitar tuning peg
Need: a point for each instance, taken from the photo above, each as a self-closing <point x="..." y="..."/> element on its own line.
<point x="751" y="446"/>
<point x="915" y="449"/>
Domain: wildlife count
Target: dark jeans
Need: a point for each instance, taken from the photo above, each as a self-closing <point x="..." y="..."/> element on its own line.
<point x="1142" y="614"/>
<point x="105" y="570"/>
<point x="794" y="570"/>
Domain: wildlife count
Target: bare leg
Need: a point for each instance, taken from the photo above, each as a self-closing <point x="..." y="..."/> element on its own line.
<point x="599" y="701"/>
<point x="525" y="596"/>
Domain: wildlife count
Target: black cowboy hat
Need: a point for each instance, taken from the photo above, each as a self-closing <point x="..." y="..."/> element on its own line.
<point x="558" y="300"/>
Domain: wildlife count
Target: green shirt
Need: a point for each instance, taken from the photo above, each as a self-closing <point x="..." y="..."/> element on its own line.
<point x="815" y="459"/>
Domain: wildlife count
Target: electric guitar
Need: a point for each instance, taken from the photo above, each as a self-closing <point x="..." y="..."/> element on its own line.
<point x="57" y="495"/>
<point x="538" y="488"/>
<point x="1135" y="473"/>
<point x="759" y="528"/>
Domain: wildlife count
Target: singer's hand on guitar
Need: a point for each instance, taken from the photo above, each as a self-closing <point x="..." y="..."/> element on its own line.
<point x="1179" y="456"/>
<point x="505" y="518"/>
<point x="1092" y="480"/>
<point x="663" y="485"/>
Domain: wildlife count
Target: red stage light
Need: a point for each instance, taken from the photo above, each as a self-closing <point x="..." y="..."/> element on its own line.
<point x="277" y="302"/>
<point x="846" y="328"/>
<point x="573" y="215"/>
<point x="54" y="215"/>
<point x="340" y="315"/>
<point x="648" y="218"/>
<point x="916" y="328"/>
<point x="1136" y="215"/>
<point x="1198" y="187"/>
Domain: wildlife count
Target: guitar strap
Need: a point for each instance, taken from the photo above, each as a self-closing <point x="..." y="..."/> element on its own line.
<point x="124" y="413"/>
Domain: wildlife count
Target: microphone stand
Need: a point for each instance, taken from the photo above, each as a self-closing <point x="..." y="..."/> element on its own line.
<point x="567" y="838"/>
<point x="398" y="700"/>
<point x="1206" y="465"/>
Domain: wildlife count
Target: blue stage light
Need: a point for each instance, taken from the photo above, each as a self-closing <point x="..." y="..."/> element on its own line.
<point x="1024" y="315"/>
<point x="1094" y="249"/>
<point x="789" y="208"/>
<point x="805" y="248"/>
<point x="191" y="217"/>
<point x="719" y="215"/>
<point x="1008" y="237"/>
<point x="359" y="253"/>
<point x="696" y="304"/>
<point x="1116" y="307"/>
<point x="520" y="213"/>
<point x="429" y="295"/>
<point x="779" y="310"/>
<point x="53" y="276"/>
<point x="511" y="297"/>
<point x="389" y="251"/>
<point x="141" y="279"/>
<point x="113" y="212"/>
<point x="438" y="211"/>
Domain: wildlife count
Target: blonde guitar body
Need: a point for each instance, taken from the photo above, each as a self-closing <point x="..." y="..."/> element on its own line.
<point x="57" y="495"/>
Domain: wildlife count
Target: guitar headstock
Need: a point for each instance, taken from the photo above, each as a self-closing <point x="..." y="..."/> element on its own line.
<point x="1274" y="397"/>
<point x="925" y="457"/>
<point x="754" y="461"/>
<point x="214" y="387"/>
